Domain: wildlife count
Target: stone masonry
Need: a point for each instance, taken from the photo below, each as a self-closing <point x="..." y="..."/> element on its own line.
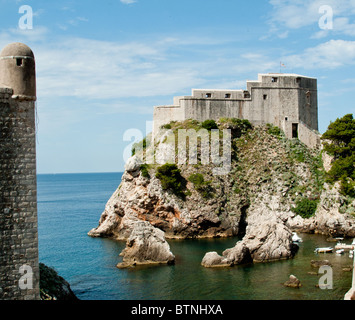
<point x="19" y="265"/>
<point x="288" y="101"/>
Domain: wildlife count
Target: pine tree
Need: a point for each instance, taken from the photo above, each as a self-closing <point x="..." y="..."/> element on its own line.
<point x="340" y="142"/>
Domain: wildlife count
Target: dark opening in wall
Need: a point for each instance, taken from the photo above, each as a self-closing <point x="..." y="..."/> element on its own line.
<point x="286" y="118"/>
<point x="274" y="79"/>
<point x="298" y="80"/>
<point x="19" y="62"/>
<point x="227" y="96"/>
<point x="208" y="95"/>
<point x="265" y="96"/>
<point x="294" y="130"/>
<point x="246" y="94"/>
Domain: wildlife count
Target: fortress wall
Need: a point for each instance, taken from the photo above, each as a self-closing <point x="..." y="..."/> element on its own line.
<point x="18" y="203"/>
<point x="308" y="98"/>
<point x="283" y="100"/>
<point x="204" y="109"/>
<point x="308" y="136"/>
<point x="165" y="114"/>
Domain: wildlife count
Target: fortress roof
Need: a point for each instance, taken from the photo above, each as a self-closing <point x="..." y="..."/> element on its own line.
<point x="17" y="49"/>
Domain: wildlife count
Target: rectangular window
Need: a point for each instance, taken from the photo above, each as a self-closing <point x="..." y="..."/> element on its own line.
<point x="274" y="79"/>
<point x="19" y="62"/>
<point x="208" y="95"/>
<point x="227" y="96"/>
<point x="265" y="96"/>
<point x="294" y="130"/>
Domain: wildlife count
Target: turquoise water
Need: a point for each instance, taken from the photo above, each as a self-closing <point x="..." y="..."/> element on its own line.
<point x="69" y="205"/>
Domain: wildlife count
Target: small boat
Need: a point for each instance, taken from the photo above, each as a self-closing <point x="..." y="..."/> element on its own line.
<point x="296" y="238"/>
<point x="323" y="250"/>
<point x="340" y="251"/>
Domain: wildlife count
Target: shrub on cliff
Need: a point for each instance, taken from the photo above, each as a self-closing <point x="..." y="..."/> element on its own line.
<point x="306" y="208"/>
<point x="171" y="179"/>
<point x="273" y="130"/>
<point x="209" y="125"/>
<point x="340" y="142"/>
<point x="202" y="186"/>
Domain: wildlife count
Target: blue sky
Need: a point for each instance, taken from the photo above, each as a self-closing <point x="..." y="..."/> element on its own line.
<point x="103" y="65"/>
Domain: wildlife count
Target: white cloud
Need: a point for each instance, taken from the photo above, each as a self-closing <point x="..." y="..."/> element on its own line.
<point x="128" y="1"/>
<point x="293" y="14"/>
<point x="330" y="55"/>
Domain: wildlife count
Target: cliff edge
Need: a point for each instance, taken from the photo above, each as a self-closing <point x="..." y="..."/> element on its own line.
<point x="270" y="179"/>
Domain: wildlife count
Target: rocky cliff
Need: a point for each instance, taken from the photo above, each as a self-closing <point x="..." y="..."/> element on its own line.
<point x="274" y="185"/>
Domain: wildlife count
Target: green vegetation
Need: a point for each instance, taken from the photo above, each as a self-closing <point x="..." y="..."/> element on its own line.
<point x="167" y="126"/>
<point x="202" y="186"/>
<point x="209" y="125"/>
<point x="306" y="208"/>
<point x="171" y="179"/>
<point x="340" y="143"/>
<point x="273" y="130"/>
<point x="143" y="145"/>
<point x="145" y="170"/>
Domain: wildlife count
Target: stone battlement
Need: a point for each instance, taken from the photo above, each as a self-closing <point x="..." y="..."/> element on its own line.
<point x="288" y="101"/>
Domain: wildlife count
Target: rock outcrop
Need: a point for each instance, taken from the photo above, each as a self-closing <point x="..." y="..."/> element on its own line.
<point x="293" y="282"/>
<point x="53" y="286"/>
<point x="146" y="245"/>
<point x="267" y="238"/>
<point x="256" y="200"/>
<point x="333" y="217"/>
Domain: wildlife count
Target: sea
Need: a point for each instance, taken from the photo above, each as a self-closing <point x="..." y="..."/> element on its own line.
<point x="70" y="205"/>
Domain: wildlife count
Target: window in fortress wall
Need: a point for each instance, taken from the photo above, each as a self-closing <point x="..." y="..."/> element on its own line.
<point x="19" y="62"/>
<point x="208" y="95"/>
<point x="227" y="96"/>
<point x="274" y="79"/>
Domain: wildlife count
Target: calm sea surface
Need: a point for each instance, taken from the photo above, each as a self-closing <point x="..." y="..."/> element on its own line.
<point x="69" y="205"/>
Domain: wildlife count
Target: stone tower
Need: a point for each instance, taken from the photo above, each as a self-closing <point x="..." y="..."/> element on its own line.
<point x="19" y="266"/>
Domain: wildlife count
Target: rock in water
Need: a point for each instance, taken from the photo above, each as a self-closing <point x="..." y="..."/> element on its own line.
<point x="319" y="263"/>
<point x="146" y="245"/>
<point x="53" y="286"/>
<point x="267" y="238"/>
<point x="213" y="259"/>
<point x="293" y="282"/>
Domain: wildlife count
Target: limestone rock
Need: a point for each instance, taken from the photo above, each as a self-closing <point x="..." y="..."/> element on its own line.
<point x="133" y="164"/>
<point x="293" y="282"/>
<point x="213" y="259"/>
<point x="146" y="245"/>
<point x="319" y="263"/>
<point x="267" y="239"/>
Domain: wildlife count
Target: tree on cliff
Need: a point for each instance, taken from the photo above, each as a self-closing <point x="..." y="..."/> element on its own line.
<point x="340" y="143"/>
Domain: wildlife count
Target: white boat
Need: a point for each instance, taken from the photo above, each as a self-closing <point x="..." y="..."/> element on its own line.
<point x="324" y="250"/>
<point x="296" y="238"/>
<point x="340" y="251"/>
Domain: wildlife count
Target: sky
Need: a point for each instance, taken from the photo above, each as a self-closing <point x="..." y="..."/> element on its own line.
<point x="102" y="66"/>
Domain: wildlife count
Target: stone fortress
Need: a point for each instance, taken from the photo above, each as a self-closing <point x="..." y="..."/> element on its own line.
<point x="288" y="101"/>
<point x="19" y="265"/>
